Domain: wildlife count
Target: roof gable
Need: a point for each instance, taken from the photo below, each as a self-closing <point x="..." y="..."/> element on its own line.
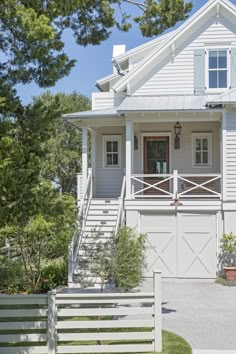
<point x="210" y="9"/>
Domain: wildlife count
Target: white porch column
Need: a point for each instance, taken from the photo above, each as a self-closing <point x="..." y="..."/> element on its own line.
<point x="84" y="155"/>
<point x="129" y="157"/>
<point x="93" y="159"/>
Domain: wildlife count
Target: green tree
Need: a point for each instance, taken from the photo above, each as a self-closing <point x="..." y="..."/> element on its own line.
<point x="37" y="148"/>
<point x="31" y="41"/>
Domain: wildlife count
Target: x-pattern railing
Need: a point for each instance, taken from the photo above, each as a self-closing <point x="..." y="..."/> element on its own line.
<point x="176" y="185"/>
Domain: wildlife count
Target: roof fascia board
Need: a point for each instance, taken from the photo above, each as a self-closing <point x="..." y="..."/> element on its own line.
<point x="176" y="35"/>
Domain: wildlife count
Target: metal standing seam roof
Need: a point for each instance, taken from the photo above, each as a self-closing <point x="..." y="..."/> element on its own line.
<point x="99" y="113"/>
<point x="163" y="103"/>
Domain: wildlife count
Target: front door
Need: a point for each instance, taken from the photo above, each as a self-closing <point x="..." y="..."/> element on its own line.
<point x="156" y="161"/>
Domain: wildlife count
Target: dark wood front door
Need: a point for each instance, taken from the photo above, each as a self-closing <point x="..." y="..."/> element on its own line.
<point x="156" y="161"/>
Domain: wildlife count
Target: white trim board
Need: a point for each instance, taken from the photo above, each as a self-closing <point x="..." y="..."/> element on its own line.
<point x="161" y="134"/>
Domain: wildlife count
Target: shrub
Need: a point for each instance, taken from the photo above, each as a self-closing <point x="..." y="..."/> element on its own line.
<point x="129" y="253"/>
<point x="228" y="247"/>
<point x="53" y="275"/>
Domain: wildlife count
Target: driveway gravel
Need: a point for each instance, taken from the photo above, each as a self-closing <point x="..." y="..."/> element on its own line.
<point x="203" y="313"/>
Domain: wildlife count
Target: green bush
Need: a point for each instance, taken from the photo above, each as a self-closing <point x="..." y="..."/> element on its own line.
<point x="129" y="253"/>
<point x="53" y="275"/>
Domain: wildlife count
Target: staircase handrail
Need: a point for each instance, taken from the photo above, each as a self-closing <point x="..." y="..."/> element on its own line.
<point x="83" y="211"/>
<point x="120" y="217"/>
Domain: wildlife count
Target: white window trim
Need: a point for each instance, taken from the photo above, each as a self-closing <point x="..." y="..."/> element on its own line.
<point x="117" y="138"/>
<point x="223" y="89"/>
<point x="209" y="137"/>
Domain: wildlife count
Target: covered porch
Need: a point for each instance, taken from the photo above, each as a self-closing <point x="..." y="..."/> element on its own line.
<point x="163" y="156"/>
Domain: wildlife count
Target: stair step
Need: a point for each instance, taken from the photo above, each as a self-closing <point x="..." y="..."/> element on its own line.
<point x="96" y="235"/>
<point x="101" y="217"/>
<point x="100" y="228"/>
<point x="103" y="211"/>
<point x="104" y="202"/>
<point x="97" y="223"/>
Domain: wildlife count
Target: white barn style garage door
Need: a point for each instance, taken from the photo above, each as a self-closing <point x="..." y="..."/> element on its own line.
<point x="180" y="245"/>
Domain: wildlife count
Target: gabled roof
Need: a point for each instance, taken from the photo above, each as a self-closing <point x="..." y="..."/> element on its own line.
<point x="149" y="60"/>
<point x="228" y="97"/>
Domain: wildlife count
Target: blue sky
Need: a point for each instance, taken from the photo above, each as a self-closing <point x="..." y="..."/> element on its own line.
<point x="93" y="62"/>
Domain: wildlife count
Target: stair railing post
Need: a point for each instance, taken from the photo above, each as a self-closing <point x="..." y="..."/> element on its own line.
<point x="175" y="189"/>
<point x="52" y="318"/>
<point x="157" y="311"/>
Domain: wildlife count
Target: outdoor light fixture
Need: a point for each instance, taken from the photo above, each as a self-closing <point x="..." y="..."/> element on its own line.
<point x="177" y="129"/>
<point x="135" y="143"/>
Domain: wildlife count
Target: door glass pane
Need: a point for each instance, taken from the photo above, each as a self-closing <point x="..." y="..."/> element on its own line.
<point x="222" y="59"/>
<point x="222" y="78"/>
<point x="212" y="59"/>
<point x="157" y="156"/>
<point x="213" y="79"/>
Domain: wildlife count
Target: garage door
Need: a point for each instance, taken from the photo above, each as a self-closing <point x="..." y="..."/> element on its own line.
<point x="161" y="245"/>
<point x="196" y="245"/>
<point x="180" y="245"/>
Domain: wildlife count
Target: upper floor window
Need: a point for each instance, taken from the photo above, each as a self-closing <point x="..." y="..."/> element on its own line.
<point x="217" y="68"/>
<point x="112" y="151"/>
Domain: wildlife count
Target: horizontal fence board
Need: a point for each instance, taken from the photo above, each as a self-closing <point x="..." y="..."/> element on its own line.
<point x="16" y="338"/>
<point x="24" y="313"/>
<point x="105" y="295"/>
<point x="23" y="301"/>
<point x="24" y="350"/>
<point x="23" y="325"/>
<point x="104" y="301"/>
<point x="106" y="324"/>
<point x="105" y="336"/>
<point x="121" y="348"/>
<point x="112" y="311"/>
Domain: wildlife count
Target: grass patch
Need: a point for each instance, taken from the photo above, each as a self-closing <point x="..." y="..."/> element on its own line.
<point x="224" y="282"/>
<point x="173" y="344"/>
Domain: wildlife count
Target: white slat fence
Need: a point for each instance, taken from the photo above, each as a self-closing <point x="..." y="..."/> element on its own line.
<point x="82" y="322"/>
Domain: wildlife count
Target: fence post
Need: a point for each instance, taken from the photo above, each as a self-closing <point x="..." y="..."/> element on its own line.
<point x="157" y="311"/>
<point x="52" y="318"/>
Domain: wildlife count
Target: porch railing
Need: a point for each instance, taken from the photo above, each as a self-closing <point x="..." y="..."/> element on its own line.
<point x="83" y="211"/>
<point x="176" y="185"/>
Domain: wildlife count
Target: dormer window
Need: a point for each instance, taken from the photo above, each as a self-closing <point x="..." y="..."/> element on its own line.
<point x="217" y="69"/>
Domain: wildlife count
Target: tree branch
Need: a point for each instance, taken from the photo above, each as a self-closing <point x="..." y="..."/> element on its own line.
<point x="136" y="3"/>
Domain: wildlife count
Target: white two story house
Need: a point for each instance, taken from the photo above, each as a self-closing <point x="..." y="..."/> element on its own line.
<point x="163" y="145"/>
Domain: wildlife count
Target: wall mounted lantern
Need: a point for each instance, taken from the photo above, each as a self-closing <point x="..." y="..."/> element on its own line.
<point x="177" y="130"/>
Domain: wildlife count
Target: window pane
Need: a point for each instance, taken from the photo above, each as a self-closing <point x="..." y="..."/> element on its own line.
<point x="212" y="59"/>
<point x="109" y="159"/>
<point x="204" y="144"/>
<point x="198" y="144"/>
<point x="205" y="157"/>
<point x="115" y="146"/>
<point x="213" y="79"/>
<point x="222" y="59"/>
<point x="222" y="78"/>
<point x="115" y="159"/>
<point x="198" y="157"/>
<point x="109" y="146"/>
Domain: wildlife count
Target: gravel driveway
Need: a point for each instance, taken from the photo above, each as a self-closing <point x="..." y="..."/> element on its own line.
<point x="203" y="313"/>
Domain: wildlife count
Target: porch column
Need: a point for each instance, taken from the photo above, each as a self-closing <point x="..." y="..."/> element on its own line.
<point x="129" y="157"/>
<point x="93" y="158"/>
<point x="84" y="155"/>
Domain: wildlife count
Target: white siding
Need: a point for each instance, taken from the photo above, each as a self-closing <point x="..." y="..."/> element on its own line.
<point x="108" y="181"/>
<point x="101" y="100"/>
<point x="229" y="145"/>
<point x="175" y="76"/>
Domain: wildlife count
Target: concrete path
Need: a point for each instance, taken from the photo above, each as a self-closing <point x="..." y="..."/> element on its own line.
<point x="203" y="313"/>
